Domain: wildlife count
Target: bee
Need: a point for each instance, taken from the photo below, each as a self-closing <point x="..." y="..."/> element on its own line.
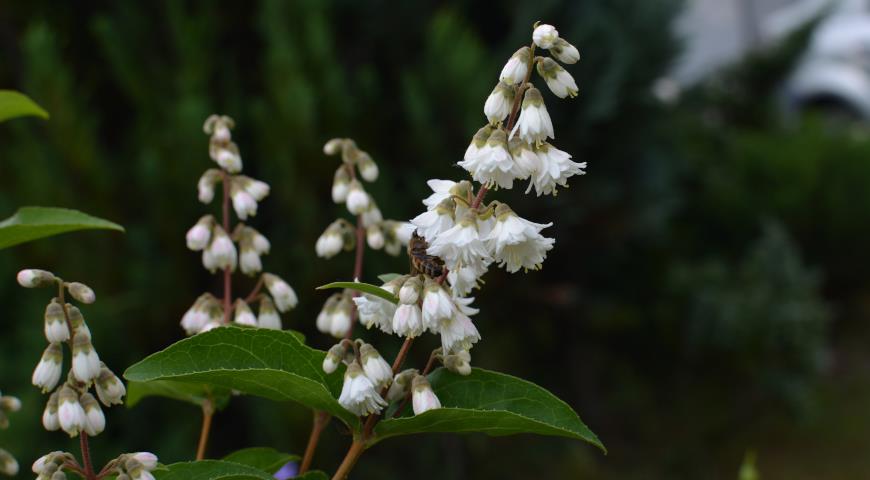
<point x="422" y="262"/>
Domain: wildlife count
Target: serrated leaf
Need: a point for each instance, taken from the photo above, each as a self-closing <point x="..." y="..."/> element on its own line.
<point x="210" y="470"/>
<point x="16" y="104"/>
<point x="491" y="403"/>
<point x="195" y="393"/>
<point x="362" y="287"/>
<point x="272" y="364"/>
<point x="387" y="277"/>
<point x="262" y="458"/>
<point x="32" y="223"/>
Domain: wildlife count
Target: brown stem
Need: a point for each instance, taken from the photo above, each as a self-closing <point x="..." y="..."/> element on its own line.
<point x="86" y="456"/>
<point x="207" y="414"/>
<point x="256" y="291"/>
<point x="228" y="280"/>
<point x="431" y="363"/>
<point x="321" y="420"/>
<point x="357" y="270"/>
<point x="350" y="460"/>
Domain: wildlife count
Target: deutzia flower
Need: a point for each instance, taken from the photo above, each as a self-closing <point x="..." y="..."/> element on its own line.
<point x="285" y="297"/>
<point x="357" y="198"/>
<point x="220" y="253"/>
<point x="197" y="315"/>
<point x="375" y="367"/>
<point x="469" y="162"/>
<point x="358" y="393"/>
<point x="95" y="421"/>
<point x="243" y="314"/>
<point x="437" y="305"/>
<point x="461" y="244"/>
<point x="368" y="169"/>
<point x="458" y="333"/>
<point x="110" y="388"/>
<point x="340" y="322"/>
<point x="517" y="67"/>
<point x="561" y="82"/>
<point x="218" y="126"/>
<point x="565" y="52"/>
<point x="340" y="185"/>
<point x="433" y="222"/>
<point x="460" y="362"/>
<point x="333" y="358"/>
<point x="252" y="245"/>
<point x="147" y="459"/>
<point x="331" y="241"/>
<point x="516" y="242"/>
<point x="422" y="397"/>
<point x="56" y="328"/>
<point x="401" y="384"/>
<point x="555" y="168"/>
<point x="443" y="189"/>
<point x="375" y="237"/>
<point x="526" y="161"/>
<point x="243" y="202"/>
<point x="34" y="278"/>
<point x="255" y="188"/>
<point x="534" y="124"/>
<point x="50" y="418"/>
<point x="333" y="146"/>
<point x="324" y="318"/>
<point x="85" y="361"/>
<point x="267" y="316"/>
<point x="206" y="183"/>
<point x="200" y="234"/>
<point x="70" y="413"/>
<point x="227" y="156"/>
<point x="372" y="215"/>
<point x="408" y="321"/>
<point x="410" y="291"/>
<point x="545" y="35"/>
<point x="375" y="312"/>
<point x="498" y="104"/>
<point x="8" y="464"/>
<point x="48" y="370"/>
<point x="493" y="165"/>
<point x="465" y="278"/>
<point x="81" y="292"/>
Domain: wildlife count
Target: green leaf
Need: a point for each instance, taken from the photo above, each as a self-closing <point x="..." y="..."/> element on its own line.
<point x="272" y="364"/>
<point x="262" y="458"/>
<point x="15" y="104"/>
<point x="31" y="223"/>
<point x="492" y="403"/>
<point x="387" y="277"/>
<point x="362" y="287"/>
<point x="195" y="393"/>
<point x="210" y="470"/>
<point x="313" y="475"/>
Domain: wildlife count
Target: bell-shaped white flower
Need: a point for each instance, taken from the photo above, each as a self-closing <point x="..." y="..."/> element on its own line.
<point x="227" y="156"/>
<point x="250" y="262"/>
<point x="368" y="169"/>
<point x="199" y="235"/>
<point x="70" y="413"/>
<point x="560" y="82"/>
<point x="461" y="244"/>
<point x="437" y="305"/>
<point x="95" y="421"/>
<point x="375" y="312"/>
<point x="554" y="170"/>
<point x="243" y="202"/>
<point x="526" y="161"/>
<point x="423" y="398"/>
<point x="545" y="35"/>
<point x="284" y="295"/>
<point x="375" y="237"/>
<point x="205" y="185"/>
<point x="56" y="328"/>
<point x="220" y="253"/>
<point x="498" y="104"/>
<point x="534" y="124"/>
<point x="357" y="199"/>
<point x="198" y="314"/>
<point x="340" y="322"/>
<point x="110" y="388"/>
<point x="517" y="67"/>
<point x="410" y="291"/>
<point x="469" y="161"/>
<point x="333" y="146"/>
<point x="372" y="215"/>
<point x="432" y="223"/>
<point x="8" y="464"/>
<point x="243" y="314"/>
<point x="48" y="370"/>
<point x="401" y="385"/>
<point x="408" y="321"/>
<point x="516" y="242"/>
<point x="331" y="241"/>
<point x="334" y="357"/>
<point x="257" y="189"/>
<point x="358" y="394"/>
<point x="375" y="367"/>
<point x="267" y="315"/>
<point x="564" y="51"/>
<point x="324" y="318"/>
<point x="458" y="333"/>
<point x="147" y="459"/>
<point x="494" y="164"/>
<point x="340" y="184"/>
<point x="50" y="416"/>
<point x="85" y="361"/>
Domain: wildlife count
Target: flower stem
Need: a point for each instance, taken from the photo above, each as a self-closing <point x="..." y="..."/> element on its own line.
<point x="356" y="449"/>
<point x="207" y="414"/>
<point x="86" y="456"/>
<point x="321" y="420"/>
<point x="357" y="270"/>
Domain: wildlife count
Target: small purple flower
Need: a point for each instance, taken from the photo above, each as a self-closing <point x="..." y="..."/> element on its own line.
<point x="288" y="471"/>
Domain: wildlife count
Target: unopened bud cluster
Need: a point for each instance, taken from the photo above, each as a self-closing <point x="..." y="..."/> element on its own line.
<point x="8" y="464"/>
<point x="242" y="247"/>
<point x="129" y="466"/>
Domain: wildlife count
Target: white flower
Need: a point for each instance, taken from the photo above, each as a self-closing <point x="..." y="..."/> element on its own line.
<point x="110" y="388"/>
<point x="526" y="161"/>
<point x="333" y="358"/>
<point x="48" y="370"/>
<point x="555" y="168"/>
<point x="561" y="82"/>
<point x="81" y="292"/>
<point x="464" y="305"/>
<point x="408" y="321"/>
<point x="564" y="51"/>
<point x="460" y="362"/>
<point x="375" y="311"/>
<point x="340" y="322"/>
<point x="146" y="459"/>
<point x="50" y="418"/>
<point x="441" y="189"/>
<point x="227" y="156"/>
<point x="498" y="104"/>
<point x="255" y="188"/>
<point x="243" y="314"/>
<point x="250" y="262"/>
<point x="56" y="328"/>
<point x="437" y="305"/>
<point x="197" y="315"/>
<point x="85" y="361"/>
<point x="70" y="413"/>
<point x="433" y="222"/>
<point x="458" y="333"/>
<point x="267" y="315"/>
<point x="95" y="421"/>
<point x="205" y="185"/>
<point x="331" y="241"/>
<point x="493" y="165"/>
<point x="465" y="278"/>
<point x="333" y="146"/>
<point x="401" y="384"/>
<point x="368" y="169"/>
<point x="221" y="252"/>
<point x="358" y="393"/>
<point x="372" y="215"/>
<point x="403" y="231"/>
<point x="218" y="126"/>
<point x="8" y="464"/>
<point x="422" y="397"/>
<point x="517" y="67"/>
<point x="33" y="278"/>
<point x="545" y="35"/>
<point x="375" y="367"/>
<point x="409" y="293"/>
<point x="243" y="202"/>
<point x="285" y="297"/>
<point x="324" y="318"/>
<point x="199" y="235"/>
<point x="375" y="237"/>
<point x="357" y="199"/>
<point x="516" y="242"/>
<point x="461" y="244"/>
<point x="141" y="475"/>
<point x="340" y="185"/>
<point x="469" y="162"/>
<point x="534" y="124"/>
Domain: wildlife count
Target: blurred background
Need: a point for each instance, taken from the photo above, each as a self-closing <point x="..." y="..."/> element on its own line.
<point x="708" y="294"/>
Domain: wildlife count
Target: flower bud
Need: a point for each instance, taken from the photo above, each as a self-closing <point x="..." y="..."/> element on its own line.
<point x="110" y="388"/>
<point x="333" y="146"/>
<point x="375" y="237"/>
<point x="375" y="367"/>
<point x="498" y="104"/>
<point x="545" y="35"/>
<point x="243" y="314"/>
<point x="197" y="315"/>
<point x="48" y="370"/>
<point x="564" y="51"/>
<point x="340" y="184"/>
<point x="357" y="199"/>
<point x="81" y="292"/>
<point x="560" y="82"/>
<point x="368" y="169"/>
<point x="422" y="397"/>
<point x="77" y="320"/>
<point x="324" y="318"/>
<point x="460" y="362"/>
<point x="267" y="316"/>
<point x="221" y="252"/>
<point x="340" y="322"/>
<point x="33" y="278"/>
<point x="331" y="241"/>
<point x="333" y="357"/>
<point x="205" y="185"/>
<point x="243" y="202"/>
<point x="200" y="234"/>
<point x="516" y="67"/>
<point x="284" y="295"/>
<point x="95" y="421"/>
<point x="70" y="412"/>
<point x="8" y="464"/>
<point x="227" y="156"/>
<point x="50" y="419"/>
<point x="218" y="126"/>
<point x="56" y="328"/>
<point x="255" y="188"/>
<point x="58" y="475"/>
<point x="85" y="362"/>
<point x="401" y="384"/>
<point x="147" y="459"/>
<point x="410" y="291"/>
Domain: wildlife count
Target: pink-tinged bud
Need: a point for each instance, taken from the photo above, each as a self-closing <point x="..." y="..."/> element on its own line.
<point x="33" y="278"/>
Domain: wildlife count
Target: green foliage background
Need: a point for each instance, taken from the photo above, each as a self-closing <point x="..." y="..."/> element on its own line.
<point x="706" y="295"/>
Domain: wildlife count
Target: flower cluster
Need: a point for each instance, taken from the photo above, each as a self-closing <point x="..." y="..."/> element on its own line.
<point x="129" y="466"/>
<point x="336" y="316"/>
<point x="71" y="406"/>
<point x="218" y="242"/>
<point x="8" y="464"/>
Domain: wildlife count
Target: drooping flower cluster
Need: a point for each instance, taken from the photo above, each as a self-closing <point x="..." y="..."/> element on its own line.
<point x="218" y="242"/>
<point x="8" y="404"/>
<point x="129" y="466"/>
<point x="71" y="406"/>
<point x="336" y="315"/>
